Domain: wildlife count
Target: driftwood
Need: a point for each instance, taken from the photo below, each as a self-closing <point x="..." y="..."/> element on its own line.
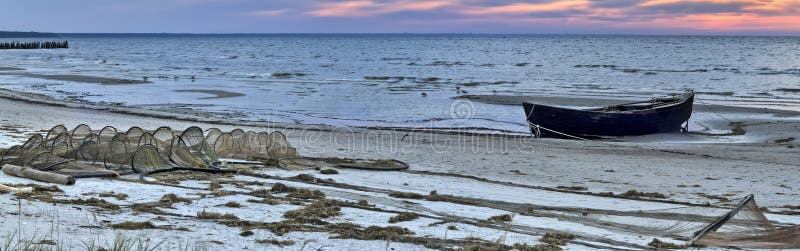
<point x="30" y="173"/>
<point x="8" y="189"/>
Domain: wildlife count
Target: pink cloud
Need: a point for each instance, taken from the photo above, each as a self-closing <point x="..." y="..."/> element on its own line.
<point x="525" y="8"/>
<point x="360" y="8"/>
<point x="722" y="15"/>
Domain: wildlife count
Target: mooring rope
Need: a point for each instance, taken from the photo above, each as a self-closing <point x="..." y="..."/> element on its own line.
<point x="711" y="110"/>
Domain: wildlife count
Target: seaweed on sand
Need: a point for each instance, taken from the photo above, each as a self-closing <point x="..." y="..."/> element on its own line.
<point x="329" y="171"/>
<point x="407" y="195"/>
<point x="637" y="194"/>
<point x="119" y="196"/>
<point x="178" y="176"/>
<point x="315" y="211"/>
<point x="276" y="242"/>
<point x="404" y="216"/>
<point x="216" y="216"/>
<point x="372" y="233"/>
<point x="171" y="198"/>
<point x="306" y="194"/>
<point x="558" y="239"/>
<point x="281" y="188"/>
<point x="40" y="195"/>
<point x="233" y="204"/>
<point x="268" y="201"/>
<point x="166" y="201"/>
<point x="130" y="225"/>
<point x="573" y="188"/>
<point x="656" y="243"/>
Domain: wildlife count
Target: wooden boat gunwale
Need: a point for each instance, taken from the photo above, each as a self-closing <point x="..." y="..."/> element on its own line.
<point x="656" y="115"/>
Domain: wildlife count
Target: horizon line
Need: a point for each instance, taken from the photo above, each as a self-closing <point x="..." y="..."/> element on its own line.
<point x="410" y="33"/>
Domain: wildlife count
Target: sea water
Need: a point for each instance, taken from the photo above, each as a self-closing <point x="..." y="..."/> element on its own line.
<point x="406" y="80"/>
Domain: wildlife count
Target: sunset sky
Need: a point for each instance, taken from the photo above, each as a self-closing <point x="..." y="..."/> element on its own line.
<point x="756" y="17"/>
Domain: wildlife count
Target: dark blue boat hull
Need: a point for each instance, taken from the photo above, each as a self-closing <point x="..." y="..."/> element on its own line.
<point x="586" y="123"/>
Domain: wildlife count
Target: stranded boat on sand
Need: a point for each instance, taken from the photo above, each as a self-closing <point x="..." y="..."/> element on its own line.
<point x="658" y="115"/>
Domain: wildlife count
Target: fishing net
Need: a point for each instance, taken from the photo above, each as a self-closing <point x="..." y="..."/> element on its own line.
<point x="117" y="155"/>
<point x="12" y="155"/>
<point x="55" y="132"/>
<point x="89" y="149"/>
<point x="146" y="139"/>
<point x="746" y="227"/>
<point x="147" y="159"/>
<point x="211" y="135"/>
<point x="143" y="151"/>
<point x="107" y="133"/>
<point x="61" y="148"/>
<point x="192" y="144"/>
<point x="46" y="161"/>
<point x="134" y="133"/>
<point x="78" y="134"/>
<point x="164" y="139"/>
<point x="33" y="141"/>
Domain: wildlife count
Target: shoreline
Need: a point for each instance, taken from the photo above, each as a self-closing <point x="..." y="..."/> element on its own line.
<point x="474" y="177"/>
<point x="456" y="184"/>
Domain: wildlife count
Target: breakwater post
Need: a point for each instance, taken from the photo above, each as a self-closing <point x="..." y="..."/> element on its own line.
<point x="33" y="45"/>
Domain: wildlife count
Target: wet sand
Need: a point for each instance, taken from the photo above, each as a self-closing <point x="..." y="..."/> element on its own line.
<point x="216" y="93"/>
<point x="500" y="174"/>
<point x="76" y="78"/>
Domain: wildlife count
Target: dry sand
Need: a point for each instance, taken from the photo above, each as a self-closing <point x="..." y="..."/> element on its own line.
<point x="498" y="174"/>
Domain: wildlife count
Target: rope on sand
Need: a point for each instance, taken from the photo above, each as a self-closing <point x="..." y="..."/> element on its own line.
<point x="536" y="128"/>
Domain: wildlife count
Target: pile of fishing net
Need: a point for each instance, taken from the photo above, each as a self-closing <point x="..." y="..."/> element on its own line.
<point x="744" y="226"/>
<point x="144" y="151"/>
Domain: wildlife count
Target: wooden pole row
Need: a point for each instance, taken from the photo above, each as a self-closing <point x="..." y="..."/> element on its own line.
<point x="34" y="45"/>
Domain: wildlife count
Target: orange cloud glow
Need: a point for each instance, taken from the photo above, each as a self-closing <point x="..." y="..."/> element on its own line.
<point x="714" y="15"/>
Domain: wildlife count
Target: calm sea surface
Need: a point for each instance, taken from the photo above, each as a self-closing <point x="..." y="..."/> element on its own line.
<point x="408" y="80"/>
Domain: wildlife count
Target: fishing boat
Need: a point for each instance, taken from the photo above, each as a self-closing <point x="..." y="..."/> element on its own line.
<point x="657" y="115"/>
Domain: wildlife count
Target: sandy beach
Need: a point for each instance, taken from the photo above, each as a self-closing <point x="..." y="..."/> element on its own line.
<point x="456" y="184"/>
